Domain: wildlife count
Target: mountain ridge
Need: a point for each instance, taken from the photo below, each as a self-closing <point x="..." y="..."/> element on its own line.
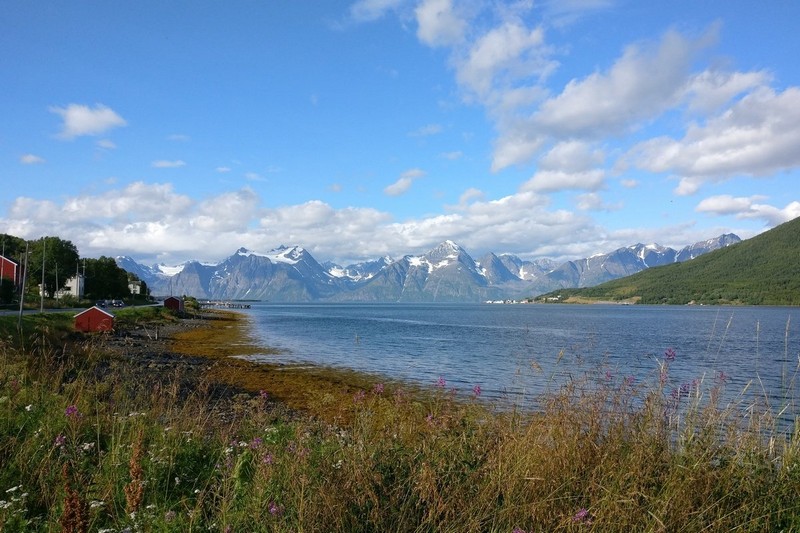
<point x="446" y="273"/>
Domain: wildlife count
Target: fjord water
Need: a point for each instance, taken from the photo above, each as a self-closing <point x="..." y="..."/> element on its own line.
<point x="515" y="352"/>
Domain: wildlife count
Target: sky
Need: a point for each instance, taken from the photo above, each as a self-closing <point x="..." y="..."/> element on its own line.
<point x="171" y="131"/>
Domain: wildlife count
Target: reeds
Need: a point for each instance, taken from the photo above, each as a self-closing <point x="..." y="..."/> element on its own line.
<point x="602" y="453"/>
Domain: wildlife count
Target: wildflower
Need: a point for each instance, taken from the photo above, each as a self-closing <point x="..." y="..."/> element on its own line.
<point x="256" y="442"/>
<point x="378" y="388"/>
<point x="429" y="418"/>
<point x="72" y="411"/>
<point x="629" y="380"/>
<point x="582" y="516"/>
<point x="94" y="504"/>
<point x="275" y="509"/>
<point x="669" y="354"/>
<point x="268" y="459"/>
<point x="609" y="375"/>
<point x="476" y="390"/>
<point x="441" y="383"/>
<point x="357" y="397"/>
<point x="722" y="377"/>
<point x="29" y="407"/>
<point x="518" y="530"/>
<point x="263" y="394"/>
<point x="169" y="516"/>
<point x="60" y="440"/>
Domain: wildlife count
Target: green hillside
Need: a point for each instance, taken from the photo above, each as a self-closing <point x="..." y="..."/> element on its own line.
<point x="764" y="270"/>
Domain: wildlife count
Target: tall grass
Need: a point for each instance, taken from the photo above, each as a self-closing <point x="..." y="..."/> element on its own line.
<point x="85" y="445"/>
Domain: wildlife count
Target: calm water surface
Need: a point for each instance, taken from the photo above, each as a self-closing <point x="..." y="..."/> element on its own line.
<point x="518" y="351"/>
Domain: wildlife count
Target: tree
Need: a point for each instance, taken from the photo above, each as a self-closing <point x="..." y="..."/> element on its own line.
<point x="104" y="279"/>
<point x="58" y="257"/>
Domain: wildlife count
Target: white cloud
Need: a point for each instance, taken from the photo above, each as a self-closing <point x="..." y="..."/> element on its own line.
<point x="370" y="10"/>
<point x="31" y="159"/>
<point x="404" y="183"/>
<point x="162" y="163"/>
<point x="568" y="165"/>
<point x="452" y="156"/>
<point x="82" y="120"/>
<point x="749" y="207"/>
<point x="178" y="137"/>
<point x="439" y="24"/>
<point x="756" y="137"/>
<point x="641" y="85"/>
<point x="427" y="130"/>
<point x="709" y="90"/>
<point x="223" y="170"/>
<point x="106" y="144"/>
<point x="629" y="183"/>
<point x="558" y="180"/>
<point x="508" y="51"/>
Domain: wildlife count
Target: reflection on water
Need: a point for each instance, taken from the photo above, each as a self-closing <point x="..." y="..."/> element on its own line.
<point x="516" y="352"/>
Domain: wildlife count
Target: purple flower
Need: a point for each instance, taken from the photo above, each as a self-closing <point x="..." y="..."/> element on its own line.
<point x="378" y="388"/>
<point x="263" y="394"/>
<point x="476" y="390"/>
<point x="722" y="377"/>
<point x="60" y="440"/>
<point x="357" y="397"/>
<point x="629" y="380"/>
<point x="275" y="509"/>
<point x="441" y="383"/>
<point x="72" y="411"/>
<point x="609" y="375"/>
<point x="669" y="354"/>
<point x="256" y="442"/>
<point x="582" y="516"/>
<point x="429" y="418"/>
<point x="518" y="530"/>
<point x="268" y="459"/>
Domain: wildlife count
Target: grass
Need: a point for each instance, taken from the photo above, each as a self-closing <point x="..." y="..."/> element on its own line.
<point x="86" y="446"/>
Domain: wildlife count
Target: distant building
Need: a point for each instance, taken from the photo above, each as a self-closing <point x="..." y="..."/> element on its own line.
<point x="10" y="270"/>
<point x="73" y="287"/>
<point x="135" y="287"/>
<point x="94" y="319"/>
<point x="174" y="303"/>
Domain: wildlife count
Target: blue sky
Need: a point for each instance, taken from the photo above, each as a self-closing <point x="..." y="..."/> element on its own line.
<point x="183" y="130"/>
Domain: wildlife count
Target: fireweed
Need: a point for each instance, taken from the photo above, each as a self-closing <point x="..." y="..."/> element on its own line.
<point x="602" y="453"/>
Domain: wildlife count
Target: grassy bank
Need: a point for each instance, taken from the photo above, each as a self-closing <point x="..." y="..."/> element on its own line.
<point x="89" y="441"/>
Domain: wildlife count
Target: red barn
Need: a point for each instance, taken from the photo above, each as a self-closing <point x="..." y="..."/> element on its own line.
<point x="10" y="270"/>
<point x="174" y="303"/>
<point x="94" y="319"/>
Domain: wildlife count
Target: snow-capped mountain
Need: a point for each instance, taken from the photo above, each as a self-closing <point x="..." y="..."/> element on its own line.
<point x="446" y="273"/>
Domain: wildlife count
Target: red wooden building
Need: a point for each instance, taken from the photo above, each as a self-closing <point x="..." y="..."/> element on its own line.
<point x="174" y="303"/>
<point x="10" y="270"/>
<point x="94" y="319"/>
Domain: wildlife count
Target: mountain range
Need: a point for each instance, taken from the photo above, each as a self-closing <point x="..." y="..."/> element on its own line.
<point x="447" y="273"/>
<point x="763" y="270"/>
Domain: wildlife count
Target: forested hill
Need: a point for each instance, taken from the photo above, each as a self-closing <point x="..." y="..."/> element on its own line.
<point x="763" y="270"/>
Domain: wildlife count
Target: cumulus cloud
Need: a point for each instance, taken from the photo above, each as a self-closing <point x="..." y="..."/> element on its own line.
<point x="749" y="207"/>
<point x="568" y="165"/>
<point x="404" y="183"/>
<point x="163" y="163"/>
<point x="31" y="159"/>
<point x="80" y="120"/>
<point x="642" y="84"/>
<point x="439" y="24"/>
<point x="755" y="137"/>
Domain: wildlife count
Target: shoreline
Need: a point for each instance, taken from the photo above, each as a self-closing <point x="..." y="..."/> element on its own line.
<point x="208" y="349"/>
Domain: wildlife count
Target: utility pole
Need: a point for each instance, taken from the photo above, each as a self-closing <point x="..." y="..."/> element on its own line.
<point x="22" y="294"/>
<point x="41" y="304"/>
